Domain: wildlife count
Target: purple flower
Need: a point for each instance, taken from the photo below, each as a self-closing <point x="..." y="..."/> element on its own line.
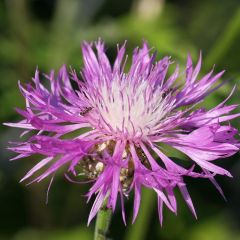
<point x="113" y="125"/>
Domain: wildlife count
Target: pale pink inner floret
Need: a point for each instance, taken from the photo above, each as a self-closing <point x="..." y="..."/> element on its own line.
<point x="133" y="109"/>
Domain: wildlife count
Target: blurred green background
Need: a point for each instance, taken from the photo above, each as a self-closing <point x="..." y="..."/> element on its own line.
<point x="47" y="33"/>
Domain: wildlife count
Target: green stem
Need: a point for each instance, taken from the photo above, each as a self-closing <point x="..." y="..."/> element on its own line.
<point x="103" y="222"/>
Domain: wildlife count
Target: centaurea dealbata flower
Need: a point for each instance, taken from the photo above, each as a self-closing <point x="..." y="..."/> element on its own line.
<point x="124" y="118"/>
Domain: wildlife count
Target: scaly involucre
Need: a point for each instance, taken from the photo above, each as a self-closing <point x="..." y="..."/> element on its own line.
<point x="112" y="127"/>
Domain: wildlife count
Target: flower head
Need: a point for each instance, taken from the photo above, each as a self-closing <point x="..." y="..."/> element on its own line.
<point x="113" y="125"/>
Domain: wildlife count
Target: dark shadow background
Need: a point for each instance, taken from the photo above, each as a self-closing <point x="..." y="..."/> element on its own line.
<point x="47" y="33"/>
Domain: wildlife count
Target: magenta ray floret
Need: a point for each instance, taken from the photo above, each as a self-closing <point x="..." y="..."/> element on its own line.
<point x="111" y="127"/>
